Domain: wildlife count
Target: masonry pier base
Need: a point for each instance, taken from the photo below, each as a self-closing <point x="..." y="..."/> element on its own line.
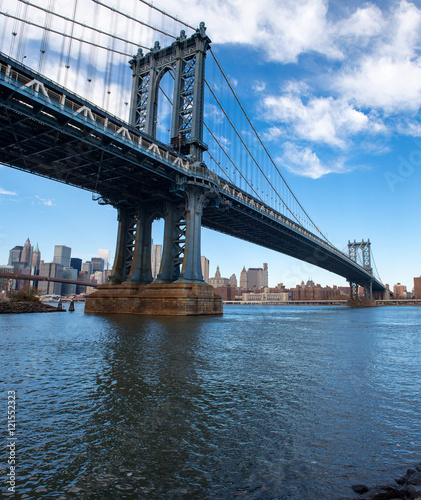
<point x="156" y="299"/>
<point x="361" y="303"/>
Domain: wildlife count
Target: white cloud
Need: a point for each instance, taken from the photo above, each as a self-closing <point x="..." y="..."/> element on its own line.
<point x="259" y="86"/>
<point x="9" y="193"/>
<point x="320" y="119"/>
<point x="213" y="114"/>
<point x="383" y="83"/>
<point x="266" y="25"/>
<point x="388" y="77"/>
<point x="303" y="161"/>
<point x="47" y="203"/>
<point x="409" y="127"/>
<point x="363" y="24"/>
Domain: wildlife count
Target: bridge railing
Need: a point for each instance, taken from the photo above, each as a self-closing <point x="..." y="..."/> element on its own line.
<point x="245" y="198"/>
<point x="103" y="121"/>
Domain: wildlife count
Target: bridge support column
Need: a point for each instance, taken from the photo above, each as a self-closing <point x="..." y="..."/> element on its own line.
<point x="141" y="269"/>
<point x="174" y="240"/>
<point x="125" y="237"/>
<point x="366" y="300"/>
<point x="192" y="266"/>
<point x="186" y="296"/>
<point x="368" y="290"/>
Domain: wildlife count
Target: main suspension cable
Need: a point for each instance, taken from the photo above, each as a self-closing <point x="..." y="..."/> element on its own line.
<point x="152" y="6"/>
<point x="82" y="24"/>
<point x="66" y="35"/>
<point x="250" y="153"/>
<point x="264" y="147"/>
<point x="113" y="9"/>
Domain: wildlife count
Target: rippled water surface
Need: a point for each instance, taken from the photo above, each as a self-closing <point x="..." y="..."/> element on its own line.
<point x="263" y="402"/>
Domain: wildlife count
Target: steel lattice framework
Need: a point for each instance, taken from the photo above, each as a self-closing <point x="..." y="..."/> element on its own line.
<point x="185" y="60"/>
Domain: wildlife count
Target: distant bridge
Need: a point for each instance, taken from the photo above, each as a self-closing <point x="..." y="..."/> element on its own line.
<point x="33" y="277"/>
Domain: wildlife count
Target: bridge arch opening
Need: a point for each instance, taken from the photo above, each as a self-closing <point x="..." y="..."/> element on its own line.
<point x="165" y="101"/>
<point x="158" y="226"/>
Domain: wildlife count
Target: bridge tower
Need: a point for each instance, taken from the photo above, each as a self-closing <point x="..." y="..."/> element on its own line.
<point x="179" y="287"/>
<point x="185" y="60"/>
<point x="360" y="252"/>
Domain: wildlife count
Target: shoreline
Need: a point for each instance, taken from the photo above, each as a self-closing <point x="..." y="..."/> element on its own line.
<point x="391" y="302"/>
<point x="406" y="487"/>
<point x="26" y="307"/>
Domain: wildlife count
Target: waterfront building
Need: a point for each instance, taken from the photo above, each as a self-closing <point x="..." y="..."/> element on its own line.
<point x="218" y="281"/>
<point x="156" y="260"/>
<point x="257" y="277"/>
<point x="265" y="296"/>
<point x="417" y="288"/>
<point x="399" y="291"/>
<point x="310" y="291"/>
<point x="227" y="292"/>
<point x="233" y="281"/>
<point x="205" y="268"/>
<point x="62" y="255"/>
<point x="14" y="255"/>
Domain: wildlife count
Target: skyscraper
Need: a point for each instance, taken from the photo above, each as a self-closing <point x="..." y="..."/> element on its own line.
<point x="49" y="287"/>
<point x="97" y="264"/>
<point x="14" y="255"/>
<point x="36" y="259"/>
<point x="62" y="255"/>
<point x="243" y="279"/>
<point x="205" y="268"/>
<point x="76" y="264"/>
<point x="67" y="288"/>
<point x="257" y="277"/>
<point x="156" y="260"/>
<point x="87" y="267"/>
<point x="104" y="254"/>
<point x="26" y="255"/>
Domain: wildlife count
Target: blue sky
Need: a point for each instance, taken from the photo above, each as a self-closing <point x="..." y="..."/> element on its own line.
<point x="334" y="89"/>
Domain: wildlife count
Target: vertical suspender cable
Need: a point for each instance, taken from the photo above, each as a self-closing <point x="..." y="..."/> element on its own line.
<point x="67" y="66"/>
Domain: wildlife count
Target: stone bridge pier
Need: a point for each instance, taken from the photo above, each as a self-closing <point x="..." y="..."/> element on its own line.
<point x="179" y="288"/>
<point x="361" y="294"/>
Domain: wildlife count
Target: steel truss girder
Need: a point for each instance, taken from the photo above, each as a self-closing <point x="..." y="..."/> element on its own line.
<point x="143" y="169"/>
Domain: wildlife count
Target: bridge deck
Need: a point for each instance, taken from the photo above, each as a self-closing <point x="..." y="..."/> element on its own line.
<point x="48" y="131"/>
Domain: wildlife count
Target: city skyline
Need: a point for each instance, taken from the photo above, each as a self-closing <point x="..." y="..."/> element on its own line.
<point x="338" y="108"/>
<point x="156" y="258"/>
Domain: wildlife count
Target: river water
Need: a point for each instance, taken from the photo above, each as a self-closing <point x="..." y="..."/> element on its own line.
<point x="263" y="402"/>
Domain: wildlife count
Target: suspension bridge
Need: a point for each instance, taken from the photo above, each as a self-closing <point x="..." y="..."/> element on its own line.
<point x="177" y="145"/>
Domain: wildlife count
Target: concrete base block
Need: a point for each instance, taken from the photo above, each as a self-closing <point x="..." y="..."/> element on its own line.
<point x="361" y="303"/>
<point x="158" y="299"/>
